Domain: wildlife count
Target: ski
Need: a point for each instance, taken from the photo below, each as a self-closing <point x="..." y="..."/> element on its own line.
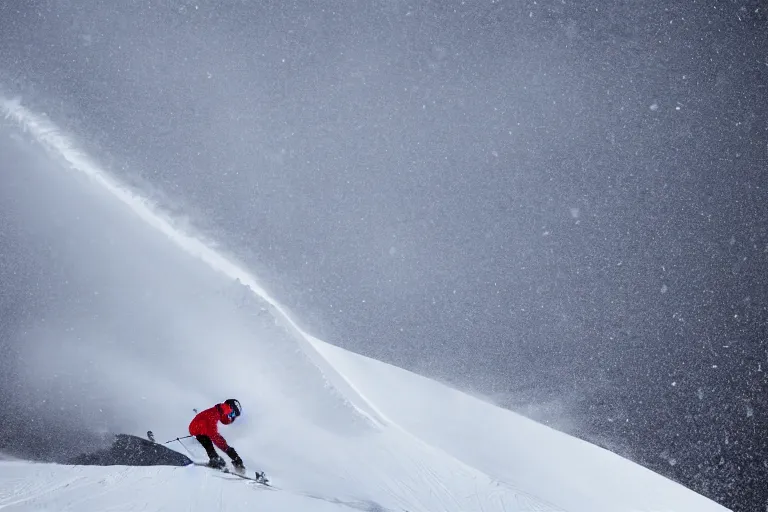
<point x="258" y="476"/>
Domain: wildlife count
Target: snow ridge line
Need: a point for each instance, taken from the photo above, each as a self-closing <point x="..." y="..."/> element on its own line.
<point x="63" y="146"/>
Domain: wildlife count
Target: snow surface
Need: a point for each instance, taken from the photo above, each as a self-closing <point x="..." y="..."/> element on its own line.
<point x="333" y="429"/>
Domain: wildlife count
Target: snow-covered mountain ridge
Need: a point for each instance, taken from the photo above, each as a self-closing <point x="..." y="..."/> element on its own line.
<point x="333" y="429"/>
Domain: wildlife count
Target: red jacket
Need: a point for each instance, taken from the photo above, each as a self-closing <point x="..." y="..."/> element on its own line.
<point x="206" y="423"/>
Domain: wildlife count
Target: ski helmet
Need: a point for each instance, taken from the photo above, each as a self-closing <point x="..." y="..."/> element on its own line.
<point x="235" y="405"/>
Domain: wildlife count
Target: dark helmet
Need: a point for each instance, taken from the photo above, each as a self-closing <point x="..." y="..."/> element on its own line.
<point x="235" y="406"/>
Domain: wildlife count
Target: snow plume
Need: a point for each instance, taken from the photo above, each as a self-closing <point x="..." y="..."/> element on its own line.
<point x="65" y="147"/>
<point x="140" y="315"/>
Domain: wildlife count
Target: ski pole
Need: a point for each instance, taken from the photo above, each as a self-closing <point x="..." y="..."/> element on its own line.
<point x="185" y="447"/>
<point x="151" y="437"/>
<point x="177" y="439"/>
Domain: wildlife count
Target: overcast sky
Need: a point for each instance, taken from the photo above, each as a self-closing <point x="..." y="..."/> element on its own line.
<point x="557" y="205"/>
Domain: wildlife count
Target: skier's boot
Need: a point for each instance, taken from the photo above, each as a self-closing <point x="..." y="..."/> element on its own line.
<point x="239" y="466"/>
<point x="237" y="462"/>
<point x="217" y="463"/>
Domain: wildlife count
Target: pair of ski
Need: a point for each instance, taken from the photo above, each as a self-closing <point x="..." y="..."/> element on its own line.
<point x="258" y="476"/>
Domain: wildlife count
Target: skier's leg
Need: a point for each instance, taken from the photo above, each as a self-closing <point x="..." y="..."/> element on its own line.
<point x="215" y="459"/>
<point x="208" y="445"/>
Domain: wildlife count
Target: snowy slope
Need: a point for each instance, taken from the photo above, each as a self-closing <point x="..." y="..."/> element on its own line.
<point x="525" y="455"/>
<point x="334" y="430"/>
<point x="438" y="450"/>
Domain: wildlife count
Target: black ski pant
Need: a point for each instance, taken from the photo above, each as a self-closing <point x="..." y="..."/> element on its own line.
<point x="208" y="445"/>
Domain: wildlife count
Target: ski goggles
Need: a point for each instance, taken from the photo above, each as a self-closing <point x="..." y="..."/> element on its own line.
<point x="232" y="415"/>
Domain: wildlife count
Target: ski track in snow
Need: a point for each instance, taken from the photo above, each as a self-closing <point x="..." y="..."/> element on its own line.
<point x="419" y="455"/>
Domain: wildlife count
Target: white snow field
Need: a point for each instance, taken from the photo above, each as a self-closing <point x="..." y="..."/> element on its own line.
<point x="332" y="429"/>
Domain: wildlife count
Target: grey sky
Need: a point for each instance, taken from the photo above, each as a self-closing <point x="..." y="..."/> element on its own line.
<point x="549" y="203"/>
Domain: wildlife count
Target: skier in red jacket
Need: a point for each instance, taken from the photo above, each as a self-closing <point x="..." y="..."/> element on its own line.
<point x="205" y="428"/>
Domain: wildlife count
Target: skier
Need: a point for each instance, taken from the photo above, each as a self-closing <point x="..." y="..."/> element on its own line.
<point x="205" y="428"/>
